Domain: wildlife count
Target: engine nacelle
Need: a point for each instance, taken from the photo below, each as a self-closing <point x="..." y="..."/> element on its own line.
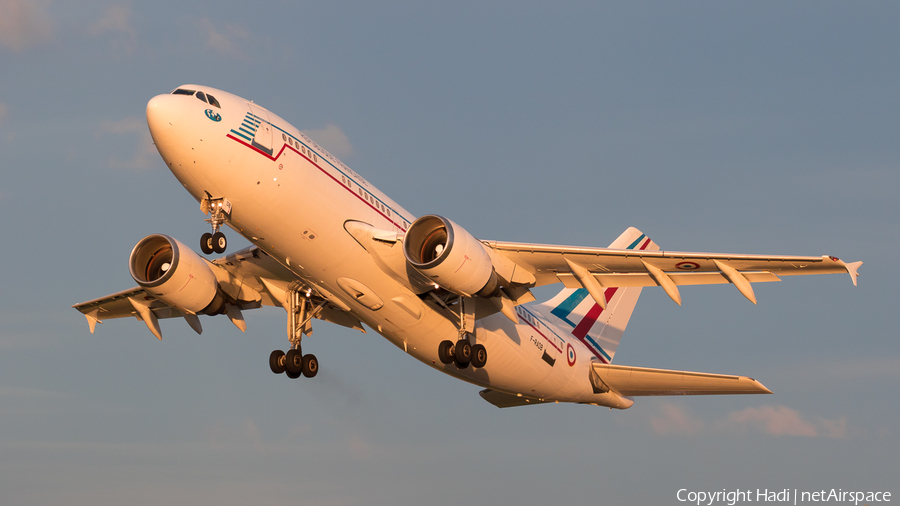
<point x="174" y="274"/>
<point x="450" y="256"/>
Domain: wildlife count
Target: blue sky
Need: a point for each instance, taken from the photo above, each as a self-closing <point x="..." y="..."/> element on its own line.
<point x="764" y="127"/>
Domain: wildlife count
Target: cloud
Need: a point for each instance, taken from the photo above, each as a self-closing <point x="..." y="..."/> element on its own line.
<point x="771" y="420"/>
<point x="24" y="23"/>
<point x="675" y="420"/>
<point x="227" y="41"/>
<point x="117" y="21"/>
<point x="784" y="421"/>
<point x="333" y="139"/>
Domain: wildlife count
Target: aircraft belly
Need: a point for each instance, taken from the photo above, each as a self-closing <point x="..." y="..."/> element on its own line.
<point x="294" y="212"/>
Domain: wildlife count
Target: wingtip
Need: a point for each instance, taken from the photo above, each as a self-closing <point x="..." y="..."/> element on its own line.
<point x="760" y="387"/>
<point x="853" y="269"/>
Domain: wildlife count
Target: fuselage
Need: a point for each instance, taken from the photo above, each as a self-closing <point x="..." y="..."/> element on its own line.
<point x="293" y="200"/>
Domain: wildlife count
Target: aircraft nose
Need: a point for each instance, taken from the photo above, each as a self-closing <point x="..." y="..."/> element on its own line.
<point x="159" y="114"/>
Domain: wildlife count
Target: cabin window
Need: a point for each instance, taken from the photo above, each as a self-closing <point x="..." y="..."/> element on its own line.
<point x="182" y="91"/>
<point x="283" y="137"/>
<point x="213" y="101"/>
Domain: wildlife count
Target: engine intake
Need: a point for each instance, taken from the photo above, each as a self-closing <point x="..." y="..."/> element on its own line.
<point x="174" y="274"/>
<point x="450" y="256"/>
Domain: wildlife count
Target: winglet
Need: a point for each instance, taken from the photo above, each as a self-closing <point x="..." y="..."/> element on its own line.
<point x="853" y="269"/>
<point x="92" y="319"/>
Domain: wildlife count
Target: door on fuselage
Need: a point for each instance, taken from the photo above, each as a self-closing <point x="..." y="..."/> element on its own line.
<point x="262" y="139"/>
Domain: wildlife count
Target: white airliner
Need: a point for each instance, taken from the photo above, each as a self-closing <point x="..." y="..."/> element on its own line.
<point x="328" y="245"/>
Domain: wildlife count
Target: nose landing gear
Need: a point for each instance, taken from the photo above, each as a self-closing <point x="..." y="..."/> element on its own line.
<point x="218" y="211"/>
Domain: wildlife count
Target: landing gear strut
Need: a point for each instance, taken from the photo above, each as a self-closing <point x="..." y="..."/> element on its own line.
<point x="294" y="363"/>
<point x="462" y="352"/>
<point x="218" y="211"/>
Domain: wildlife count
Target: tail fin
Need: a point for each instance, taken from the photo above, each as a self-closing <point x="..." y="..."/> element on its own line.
<point x="600" y="330"/>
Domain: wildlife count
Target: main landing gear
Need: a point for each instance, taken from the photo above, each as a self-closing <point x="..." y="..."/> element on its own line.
<point x="218" y="211"/>
<point x="462" y="352"/>
<point x="294" y="362"/>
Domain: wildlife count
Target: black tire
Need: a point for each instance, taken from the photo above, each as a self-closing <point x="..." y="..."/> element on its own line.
<point x="293" y="364"/>
<point x="206" y="243"/>
<point x="310" y="365"/>
<point x="219" y="242"/>
<point x="445" y="352"/>
<point x="277" y="361"/>
<point x="463" y="352"/>
<point x="479" y="356"/>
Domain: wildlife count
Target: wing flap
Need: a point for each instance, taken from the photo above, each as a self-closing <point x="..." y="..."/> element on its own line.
<point x="642" y="264"/>
<point x="605" y="260"/>
<point x="117" y="305"/>
<point x="642" y="381"/>
<point x="680" y="278"/>
<point x="249" y="278"/>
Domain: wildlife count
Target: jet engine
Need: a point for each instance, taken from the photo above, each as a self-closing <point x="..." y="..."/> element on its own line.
<point x="174" y="274"/>
<point x="450" y="256"/>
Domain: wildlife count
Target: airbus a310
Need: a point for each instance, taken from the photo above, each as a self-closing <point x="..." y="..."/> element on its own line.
<point x="327" y="245"/>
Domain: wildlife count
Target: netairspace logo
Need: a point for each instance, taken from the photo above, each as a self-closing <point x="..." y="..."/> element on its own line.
<point x="795" y="496"/>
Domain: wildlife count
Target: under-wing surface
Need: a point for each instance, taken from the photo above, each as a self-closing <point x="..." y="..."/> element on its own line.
<point x="328" y="245"/>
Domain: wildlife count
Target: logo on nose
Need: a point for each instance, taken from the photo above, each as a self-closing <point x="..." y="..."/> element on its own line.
<point x="213" y="115"/>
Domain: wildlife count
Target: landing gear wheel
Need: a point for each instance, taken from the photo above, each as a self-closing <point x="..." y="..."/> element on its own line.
<point x="276" y="361"/>
<point x="445" y="352"/>
<point x="219" y="242"/>
<point x="463" y="353"/>
<point x="310" y="365"/>
<point x="206" y="243"/>
<point x="479" y="356"/>
<point x="293" y="364"/>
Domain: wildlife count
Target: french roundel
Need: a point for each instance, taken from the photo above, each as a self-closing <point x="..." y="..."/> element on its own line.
<point x="570" y="354"/>
<point x="687" y="266"/>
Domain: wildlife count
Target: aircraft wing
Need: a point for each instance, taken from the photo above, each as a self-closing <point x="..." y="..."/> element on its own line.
<point x="643" y="381"/>
<point x="249" y="279"/>
<point x="626" y="264"/>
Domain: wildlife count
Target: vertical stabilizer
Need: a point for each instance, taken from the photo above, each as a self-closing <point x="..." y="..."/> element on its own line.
<point x="574" y="311"/>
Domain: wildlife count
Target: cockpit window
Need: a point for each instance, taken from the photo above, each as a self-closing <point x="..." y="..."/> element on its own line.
<point x="213" y="101"/>
<point x="182" y="91"/>
<point x="201" y="96"/>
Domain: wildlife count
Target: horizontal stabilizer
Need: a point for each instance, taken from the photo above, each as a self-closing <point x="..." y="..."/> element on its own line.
<point x="641" y="381"/>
